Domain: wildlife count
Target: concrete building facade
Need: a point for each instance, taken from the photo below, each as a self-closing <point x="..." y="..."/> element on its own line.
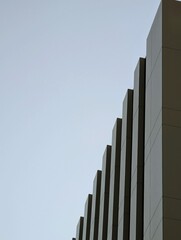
<point x="137" y="196"/>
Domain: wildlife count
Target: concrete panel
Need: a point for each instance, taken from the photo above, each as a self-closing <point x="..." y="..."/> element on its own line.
<point x="87" y="218"/>
<point x="104" y="199"/>
<point x="171" y="229"/>
<point x="171" y="76"/>
<point x="158" y="235"/>
<point x="172" y="208"/>
<point x="148" y="57"/>
<point x="135" y="144"/>
<point x="147" y="194"/>
<point x="156" y="129"/>
<point x="154" y="44"/>
<point x="172" y="163"/>
<point x="156" y="218"/>
<point x="95" y="206"/>
<point x="125" y="175"/>
<point x="79" y="230"/>
<point x="171" y="24"/>
<point x="114" y="181"/>
<point x="133" y="213"/>
<point x="171" y="117"/>
<point x="156" y="173"/>
<point x="147" y="115"/>
<point x="147" y="234"/>
<point x="156" y="90"/>
<point x="156" y="37"/>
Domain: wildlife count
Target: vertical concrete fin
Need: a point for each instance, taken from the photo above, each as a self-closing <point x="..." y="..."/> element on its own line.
<point x="87" y="218"/>
<point x="79" y="229"/>
<point x="114" y="181"/>
<point x="137" y="171"/>
<point x="104" y="198"/>
<point x="95" y="206"/>
<point x="125" y="174"/>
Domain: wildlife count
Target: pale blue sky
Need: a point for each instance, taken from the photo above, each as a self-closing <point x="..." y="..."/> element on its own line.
<point x="65" y="67"/>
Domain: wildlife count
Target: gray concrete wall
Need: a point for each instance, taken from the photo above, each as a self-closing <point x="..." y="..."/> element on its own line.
<point x="162" y="133"/>
<point x="171" y="119"/>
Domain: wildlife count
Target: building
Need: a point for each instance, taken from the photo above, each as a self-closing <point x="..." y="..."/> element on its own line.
<point x="137" y="195"/>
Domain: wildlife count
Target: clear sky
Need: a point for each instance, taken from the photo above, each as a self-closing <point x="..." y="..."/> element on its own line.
<point x="65" y="66"/>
